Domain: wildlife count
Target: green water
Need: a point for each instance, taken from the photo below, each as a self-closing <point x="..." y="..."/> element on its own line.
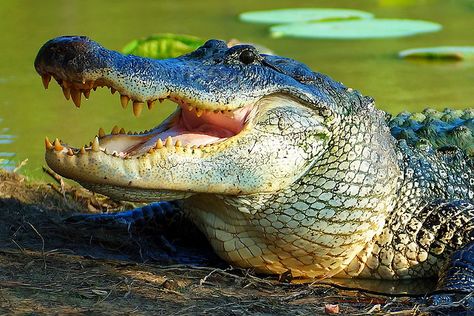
<point x="30" y="113"/>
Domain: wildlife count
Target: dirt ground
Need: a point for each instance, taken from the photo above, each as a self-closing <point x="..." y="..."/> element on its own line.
<point x="48" y="267"/>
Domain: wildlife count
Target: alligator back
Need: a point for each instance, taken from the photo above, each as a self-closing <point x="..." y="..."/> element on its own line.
<point x="440" y="129"/>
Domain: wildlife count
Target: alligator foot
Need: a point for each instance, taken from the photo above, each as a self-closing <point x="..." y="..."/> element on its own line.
<point x="158" y="232"/>
<point x="455" y="289"/>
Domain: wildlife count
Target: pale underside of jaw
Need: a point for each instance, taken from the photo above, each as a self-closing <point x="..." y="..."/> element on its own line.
<point x="191" y="128"/>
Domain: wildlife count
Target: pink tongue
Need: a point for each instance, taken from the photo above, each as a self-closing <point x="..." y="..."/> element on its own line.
<point x="196" y="139"/>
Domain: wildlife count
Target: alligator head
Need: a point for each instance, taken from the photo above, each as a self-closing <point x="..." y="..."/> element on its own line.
<point x="284" y="148"/>
<point x="236" y="129"/>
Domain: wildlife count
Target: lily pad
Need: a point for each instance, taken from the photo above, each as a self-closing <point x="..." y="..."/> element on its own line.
<point x="441" y="52"/>
<point x="356" y="29"/>
<point x="161" y="46"/>
<point x="283" y="16"/>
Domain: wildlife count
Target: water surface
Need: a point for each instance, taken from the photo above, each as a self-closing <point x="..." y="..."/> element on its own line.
<point x="30" y="113"/>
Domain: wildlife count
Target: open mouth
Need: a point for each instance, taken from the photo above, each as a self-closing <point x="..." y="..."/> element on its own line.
<point x="190" y="129"/>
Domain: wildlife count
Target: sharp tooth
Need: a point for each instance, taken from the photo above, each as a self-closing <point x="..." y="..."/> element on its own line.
<point x="69" y="152"/>
<point x="187" y="147"/>
<point x="168" y="142"/>
<point x="198" y="112"/>
<point x="47" y="143"/>
<point x="101" y="132"/>
<point x="115" y="130"/>
<point x="89" y="85"/>
<point x="67" y="93"/>
<point x="151" y="150"/>
<point x="95" y="144"/>
<point x="57" y="145"/>
<point x="190" y="108"/>
<point x="112" y="90"/>
<point x="129" y="133"/>
<point x="150" y="104"/>
<point x="159" y="143"/>
<point x="83" y="150"/>
<point x="161" y="100"/>
<point x="76" y="97"/>
<point x="124" y="101"/>
<point x="87" y="93"/>
<point x="122" y="131"/>
<point x="137" y="108"/>
<point x="75" y="85"/>
<point x="46" y="79"/>
<point x="194" y="147"/>
<point x="178" y="143"/>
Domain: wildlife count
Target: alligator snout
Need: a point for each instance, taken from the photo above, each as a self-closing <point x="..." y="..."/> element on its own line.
<point x="68" y="57"/>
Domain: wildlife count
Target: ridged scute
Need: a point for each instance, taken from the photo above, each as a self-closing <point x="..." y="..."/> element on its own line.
<point x="440" y="129"/>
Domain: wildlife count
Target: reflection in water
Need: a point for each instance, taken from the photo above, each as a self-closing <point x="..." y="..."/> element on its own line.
<point x="6" y="161"/>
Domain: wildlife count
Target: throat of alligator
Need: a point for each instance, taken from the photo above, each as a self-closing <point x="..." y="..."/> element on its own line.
<point x="187" y="127"/>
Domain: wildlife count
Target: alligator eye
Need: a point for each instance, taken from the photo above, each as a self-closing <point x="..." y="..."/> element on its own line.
<point x="247" y="57"/>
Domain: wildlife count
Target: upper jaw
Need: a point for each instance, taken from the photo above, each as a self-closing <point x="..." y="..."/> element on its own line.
<point x="79" y="64"/>
<point x="207" y="79"/>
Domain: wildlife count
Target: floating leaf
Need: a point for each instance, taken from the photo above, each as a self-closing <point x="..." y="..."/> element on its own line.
<point x="282" y="16"/>
<point x="162" y="46"/>
<point x="441" y="52"/>
<point x="356" y="29"/>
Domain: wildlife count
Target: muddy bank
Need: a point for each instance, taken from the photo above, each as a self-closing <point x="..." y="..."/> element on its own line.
<point x="48" y="267"/>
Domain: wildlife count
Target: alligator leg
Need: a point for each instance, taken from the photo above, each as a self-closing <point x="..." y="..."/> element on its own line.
<point x="159" y="231"/>
<point x="161" y="214"/>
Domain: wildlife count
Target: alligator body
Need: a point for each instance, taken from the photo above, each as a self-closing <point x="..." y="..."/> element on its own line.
<point x="280" y="167"/>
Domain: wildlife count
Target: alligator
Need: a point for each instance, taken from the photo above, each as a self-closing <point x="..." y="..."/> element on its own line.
<point x="283" y="169"/>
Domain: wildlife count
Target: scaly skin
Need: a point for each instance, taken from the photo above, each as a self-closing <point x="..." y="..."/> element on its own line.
<point x="314" y="182"/>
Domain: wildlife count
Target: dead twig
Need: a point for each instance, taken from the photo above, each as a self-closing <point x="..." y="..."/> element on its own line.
<point x="42" y="244"/>
<point x="60" y="181"/>
<point x="20" y="165"/>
